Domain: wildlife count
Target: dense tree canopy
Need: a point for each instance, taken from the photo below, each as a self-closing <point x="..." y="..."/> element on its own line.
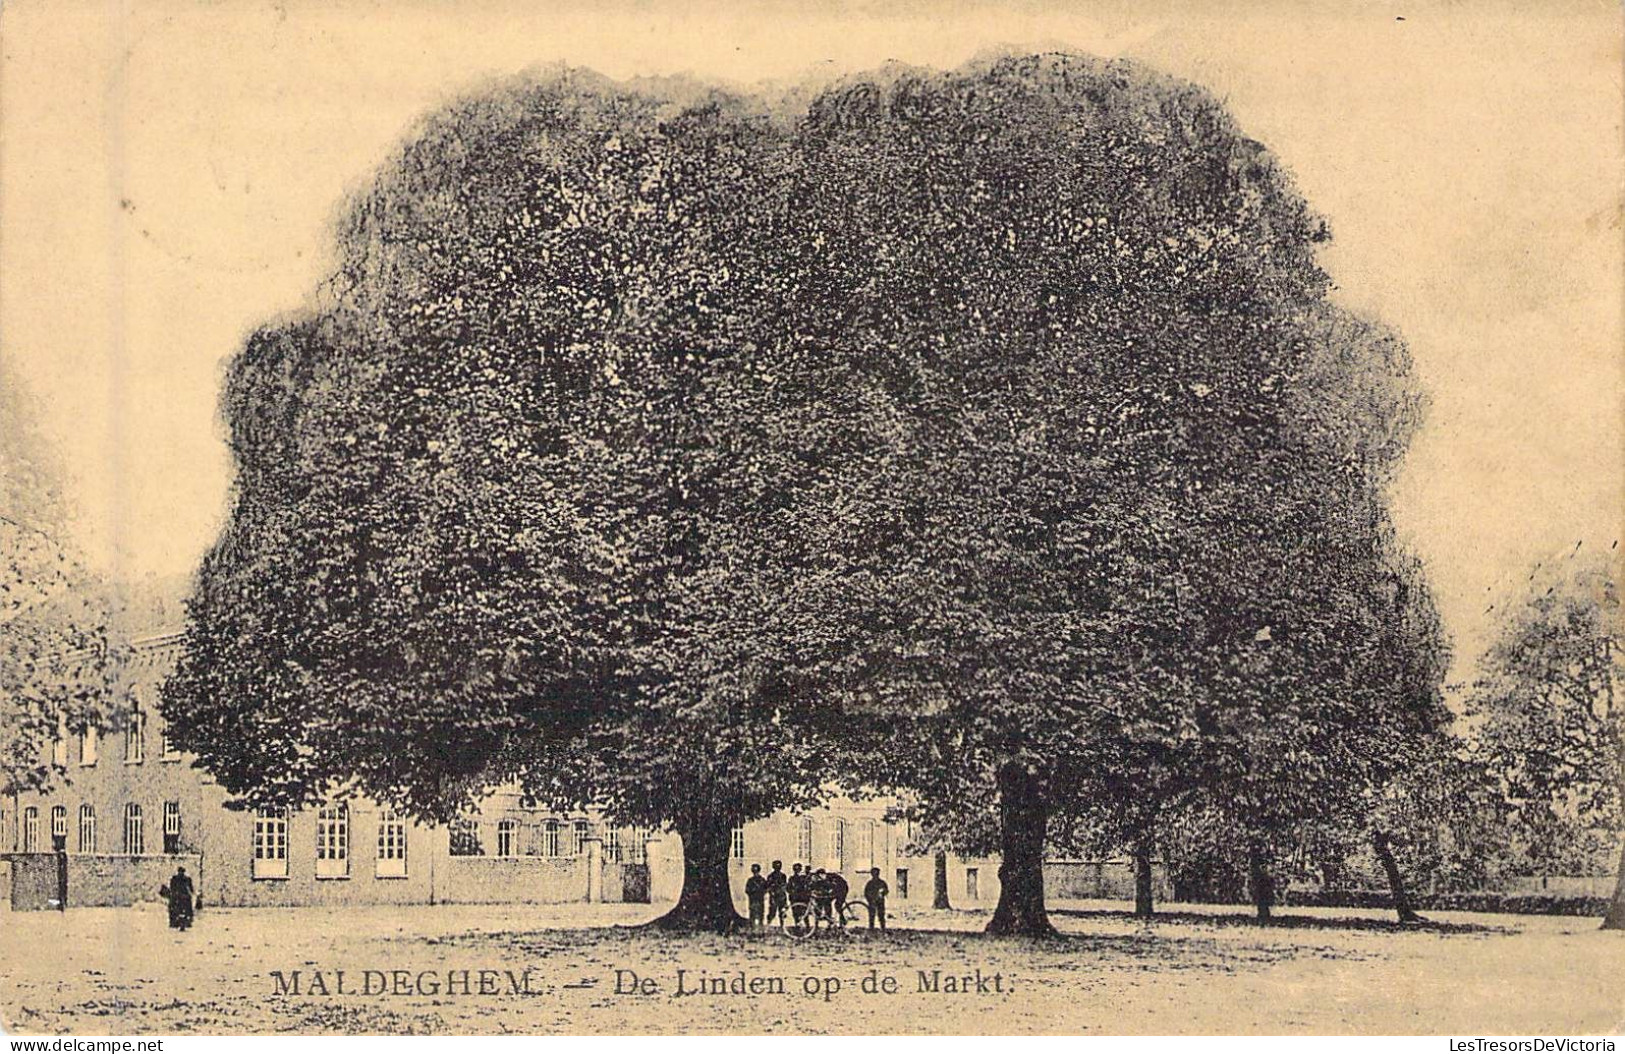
<point x="988" y="434"/>
<point x="511" y="500"/>
<point x="1128" y="526"/>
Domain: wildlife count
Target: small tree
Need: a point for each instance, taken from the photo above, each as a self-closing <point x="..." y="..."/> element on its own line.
<point x="56" y="652"/>
<point x="1551" y="719"/>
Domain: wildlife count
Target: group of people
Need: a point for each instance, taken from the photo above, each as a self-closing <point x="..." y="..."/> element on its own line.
<point x="788" y="898"/>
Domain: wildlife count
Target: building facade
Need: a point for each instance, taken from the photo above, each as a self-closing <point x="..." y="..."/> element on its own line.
<point x="131" y="808"/>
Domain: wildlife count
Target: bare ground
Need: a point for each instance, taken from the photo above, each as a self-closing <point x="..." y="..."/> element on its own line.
<point x="1198" y="970"/>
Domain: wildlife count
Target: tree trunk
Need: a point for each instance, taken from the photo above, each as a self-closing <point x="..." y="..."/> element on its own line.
<point x="1261" y="883"/>
<point x="1615" y="919"/>
<point x="1396" y="881"/>
<point x="1023" y="819"/>
<point x="939" y="883"/>
<point x="706" y="903"/>
<point x="1143" y="906"/>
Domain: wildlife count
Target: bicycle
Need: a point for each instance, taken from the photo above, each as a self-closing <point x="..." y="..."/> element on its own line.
<point x="811" y="920"/>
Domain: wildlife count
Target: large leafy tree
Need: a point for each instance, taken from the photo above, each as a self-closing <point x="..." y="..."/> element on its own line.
<point x="513" y="499"/>
<point x="1133" y="456"/>
<point x="1551" y="718"/>
<point x="56" y="657"/>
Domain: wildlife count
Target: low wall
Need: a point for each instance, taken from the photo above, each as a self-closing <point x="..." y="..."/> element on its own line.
<point x="1100" y="880"/>
<point x="94" y="880"/>
<point x="1553" y="885"/>
<point x="33" y="881"/>
<point x="516" y="880"/>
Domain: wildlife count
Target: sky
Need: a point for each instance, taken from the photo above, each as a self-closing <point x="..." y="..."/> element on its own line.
<point x="169" y="171"/>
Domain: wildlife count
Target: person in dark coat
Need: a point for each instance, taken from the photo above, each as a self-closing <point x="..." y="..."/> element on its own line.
<point x="874" y="894"/>
<point x="179" y="894"/>
<point x="777" y="898"/>
<point x="838" y="892"/>
<point x="756" y="893"/>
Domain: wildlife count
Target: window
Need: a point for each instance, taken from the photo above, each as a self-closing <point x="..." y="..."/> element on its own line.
<point x="59" y="824"/>
<point x="31" y="830"/>
<point x="333" y="841"/>
<point x="87" y="828"/>
<point x="88" y="741"/>
<point x="736" y="843"/>
<point x="172" y="826"/>
<point x="837" y="845"/>
<point x="166" y="746"/>
<point x="804" y="840"/>
<point x="550" y="838"/>
<point x="506" y="832"/>
<point x="902" y="883"/>
<point x="135" y="836"/>
<point x="578" y="837"/>
<point x="465" y="839"/>
<point x="135" y="733"/>
<point x="635" y="848"/>
<point x="59" y="746"/>
<point x="271" y="844"/>
<point x="612" y="845"/>
<point x="866" y="844"/>
<point x="391" y="845"/>
<point x="973" y="884"/>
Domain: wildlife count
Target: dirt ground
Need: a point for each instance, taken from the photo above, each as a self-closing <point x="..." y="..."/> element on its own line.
<point x="419" y="970"/>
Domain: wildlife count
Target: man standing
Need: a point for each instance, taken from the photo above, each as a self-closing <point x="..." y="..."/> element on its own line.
<point x="874" y="894"/>
<point x="756" y="893"/>
<point x="777" y="903"/>
<point x="823" y="895"/>
<point x="799" y="888"/>
<point x="179" y="894"/>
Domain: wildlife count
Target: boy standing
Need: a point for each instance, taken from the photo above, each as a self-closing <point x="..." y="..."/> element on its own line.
<point x="756" y="893"/>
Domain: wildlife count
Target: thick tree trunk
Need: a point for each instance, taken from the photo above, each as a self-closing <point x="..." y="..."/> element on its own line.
<point x="706" y="903"/>
<point x="1396" y="881"/>
<point x="1260" y="882"/>
<point x="939" y="883"/>
<point x="1023" y="820"/>
<point x="1615" y="919"/>
<point x="1143" y="905"/>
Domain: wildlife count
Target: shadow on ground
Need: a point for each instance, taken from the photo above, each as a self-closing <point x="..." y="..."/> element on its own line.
<point x="1286" y="922"/>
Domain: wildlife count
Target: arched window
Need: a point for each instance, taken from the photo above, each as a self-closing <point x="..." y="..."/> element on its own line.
<point x="135" y="733"/>
<point x="87" y="828"/>
<point x="391" y="845"/>
<point x="333" y="841"/>
<point x="135" y="835"/>
<point x="837" y="845"/>
<point x="506" y="832"/>
<point x="550" y="838"/>
<point x="31" y="830"/>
